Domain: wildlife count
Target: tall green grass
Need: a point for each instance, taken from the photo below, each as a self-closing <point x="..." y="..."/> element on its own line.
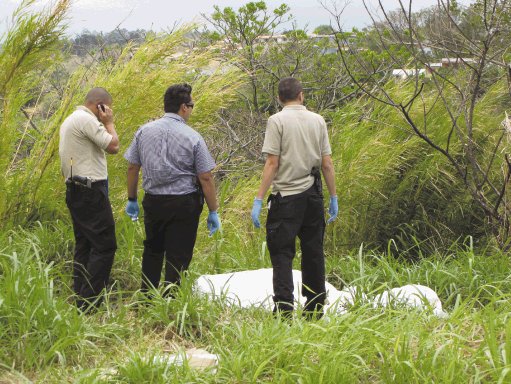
<point x="137" y="80"/>
<point x="396" y="196"/>
<point x="28" y="52"/>
<point x="45" y="340"/>
<point x="392" y="185"/>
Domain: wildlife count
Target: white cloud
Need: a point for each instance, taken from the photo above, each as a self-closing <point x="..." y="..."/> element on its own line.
<point x="90" y="4"/>
<point x="110" y="4"/>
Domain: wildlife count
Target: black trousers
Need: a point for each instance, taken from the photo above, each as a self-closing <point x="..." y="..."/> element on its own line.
<point x="95" y="244"/>
<point x="299" y="215"/>
<point x="171" y="223"/>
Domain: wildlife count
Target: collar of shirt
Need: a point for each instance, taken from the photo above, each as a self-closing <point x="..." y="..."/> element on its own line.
<point x="85" y="109"/>
<point x="174" y="116"/>
<point x="295" y="107"/>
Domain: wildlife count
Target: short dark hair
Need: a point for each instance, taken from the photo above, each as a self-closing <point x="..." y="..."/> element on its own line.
<point x="98" y="95"/>
<point x="175" y="96"/>
<point x="289" y="89"/>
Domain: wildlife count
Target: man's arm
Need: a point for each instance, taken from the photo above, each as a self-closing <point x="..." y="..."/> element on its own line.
<point x="207" y="183"/>
<point x="107" y="118"/>
<point x="133" y="172"/>
<point x="327" y="168"/>
<point x="270" y="170"/>
<point x="113" y="146"/>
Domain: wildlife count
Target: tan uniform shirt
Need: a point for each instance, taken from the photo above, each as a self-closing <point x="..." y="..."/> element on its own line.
<point x="300" y="138"/>
<point x="83" y="138"/>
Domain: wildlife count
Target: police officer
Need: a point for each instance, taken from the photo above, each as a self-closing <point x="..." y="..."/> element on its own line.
<point x="176" y="177"/>
<point x="296" y="146"/>
<point x="85" y="136"/>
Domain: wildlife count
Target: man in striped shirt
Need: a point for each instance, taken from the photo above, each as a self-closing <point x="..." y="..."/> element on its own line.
<point x="176" y="176"/>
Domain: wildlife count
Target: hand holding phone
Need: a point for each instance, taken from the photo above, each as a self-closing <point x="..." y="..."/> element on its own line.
<point x="106" y="115"/>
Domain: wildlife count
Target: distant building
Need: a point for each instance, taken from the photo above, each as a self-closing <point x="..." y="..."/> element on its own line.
<point x="318" y="38"/>
<point x="432" y="67"/>
<point x="271" y="38"/>
<point x="403" y="73"/>
<point x="457" y="61"/>
<point x="449" y="62"/>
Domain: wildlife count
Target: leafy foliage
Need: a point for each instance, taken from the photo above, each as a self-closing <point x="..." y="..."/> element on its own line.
<point x="27" y="53"/>
<point x="241" y="32"/>
<point x="137" y="80"/>
<point x="396" y="194"/>
<point x="128" y="339"/>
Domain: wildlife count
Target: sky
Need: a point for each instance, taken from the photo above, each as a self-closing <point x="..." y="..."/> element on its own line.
<point x="158" y="15"/>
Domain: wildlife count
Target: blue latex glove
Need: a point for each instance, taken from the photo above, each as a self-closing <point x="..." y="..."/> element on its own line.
<point x="333" y="209"/>
<point x="213" y="222"/>
<point x="132" y="210"/>
<point x="256" y="211"/>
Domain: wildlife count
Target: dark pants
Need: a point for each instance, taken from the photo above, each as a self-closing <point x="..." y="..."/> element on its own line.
<point x="171" y="223"/>
<point x="94" y="230"/>
<point x="299" y="215"/>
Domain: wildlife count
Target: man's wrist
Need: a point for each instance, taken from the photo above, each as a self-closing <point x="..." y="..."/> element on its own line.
<point x="132" y="198"/>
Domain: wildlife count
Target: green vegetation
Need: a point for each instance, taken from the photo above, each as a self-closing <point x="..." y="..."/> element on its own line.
<point x="44" y="339"/>
<point x="405" y="217"/>
<point x="394" y="186"/>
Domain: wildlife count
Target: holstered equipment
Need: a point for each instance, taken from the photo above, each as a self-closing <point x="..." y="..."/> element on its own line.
<point x="317" y="180"/>
<point x="80" y="180"/>
<point x="199" y="190"/>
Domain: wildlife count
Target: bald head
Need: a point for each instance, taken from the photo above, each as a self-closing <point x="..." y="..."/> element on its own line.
<point x="98" y="96"/>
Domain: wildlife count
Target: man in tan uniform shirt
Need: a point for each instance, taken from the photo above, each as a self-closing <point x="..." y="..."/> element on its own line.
<point x="85" y="136"/>
<point x="297" y="147"/>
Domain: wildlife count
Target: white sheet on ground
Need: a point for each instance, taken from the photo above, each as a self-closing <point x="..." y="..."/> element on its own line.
<point x="412" y="296"/>
<point x="254" y="289"/>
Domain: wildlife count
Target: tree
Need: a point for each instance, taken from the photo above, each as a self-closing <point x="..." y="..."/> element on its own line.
<point x="473" y="42"/>
<point x="324" y="29"/>
<point x="28" y="52"/>
<point x="250" y="39"/>
<point x="242" y="31"/>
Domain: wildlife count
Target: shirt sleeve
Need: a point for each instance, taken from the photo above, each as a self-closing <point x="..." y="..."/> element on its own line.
<point x="132" y="154"/>
<point x="272" y="138"/>
<point x="325" y="143"/>
<point x="203" y="160"/>
<point x="97" y="133"/>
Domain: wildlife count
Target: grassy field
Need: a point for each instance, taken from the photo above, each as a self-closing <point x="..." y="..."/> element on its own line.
<point x="44" y="339"/>
<point x="390" y="186"/>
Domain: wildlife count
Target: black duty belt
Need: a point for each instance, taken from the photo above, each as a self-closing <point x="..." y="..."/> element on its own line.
<point x="86" y="183"/>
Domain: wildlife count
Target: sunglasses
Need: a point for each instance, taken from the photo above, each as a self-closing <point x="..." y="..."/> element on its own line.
<point x="190" y="105"/>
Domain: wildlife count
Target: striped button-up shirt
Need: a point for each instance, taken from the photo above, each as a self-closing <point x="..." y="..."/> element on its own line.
<point x="171" y="155"/>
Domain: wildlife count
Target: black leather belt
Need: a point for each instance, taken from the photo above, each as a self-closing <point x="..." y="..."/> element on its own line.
<point x="93" y="185"/>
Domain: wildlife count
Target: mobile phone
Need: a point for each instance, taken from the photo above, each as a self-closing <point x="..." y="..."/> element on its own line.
<point x="102" y="107"/>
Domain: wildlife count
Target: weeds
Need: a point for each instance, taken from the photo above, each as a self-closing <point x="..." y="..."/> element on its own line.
<point x="44" y="338"/>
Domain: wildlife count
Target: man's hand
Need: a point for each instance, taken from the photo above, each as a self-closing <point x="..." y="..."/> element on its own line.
<point x="213" y="222"/>
<point x="106" y="117"/>
<point x="256" y="211"/>
<point x="132" y="209"/>
<point x="333" y="210"/>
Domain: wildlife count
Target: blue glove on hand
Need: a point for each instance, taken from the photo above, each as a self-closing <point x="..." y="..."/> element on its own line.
<point x="256" y="211"/>
<point x="333" y="210"/>
<point x="213" y="222"/>
<point x="132" y="210"/>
